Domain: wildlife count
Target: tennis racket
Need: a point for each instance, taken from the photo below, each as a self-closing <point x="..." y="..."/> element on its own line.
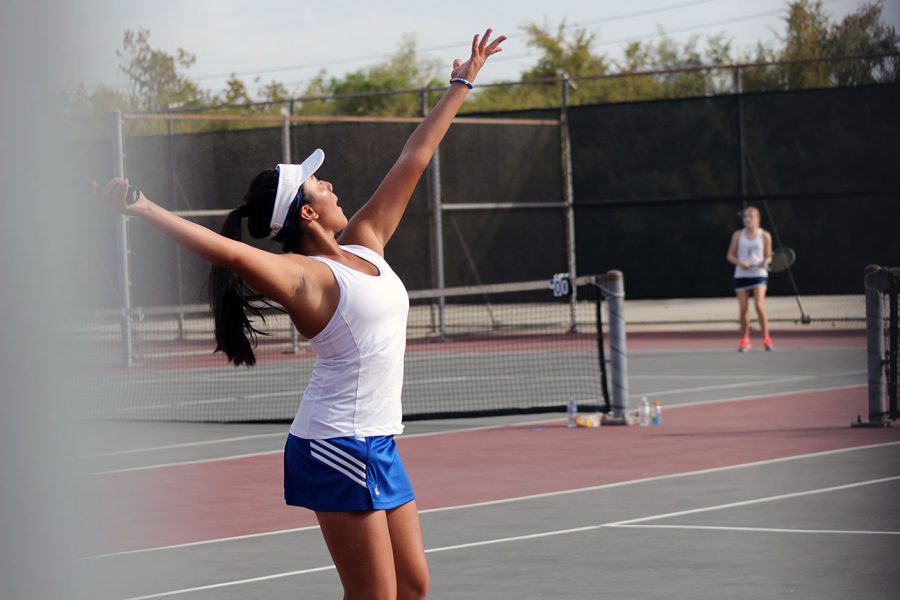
<point x="782" y="260"/>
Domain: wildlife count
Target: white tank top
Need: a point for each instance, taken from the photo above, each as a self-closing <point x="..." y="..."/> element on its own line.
<point x="358" y="373"/>
<point x="751" y="251"/>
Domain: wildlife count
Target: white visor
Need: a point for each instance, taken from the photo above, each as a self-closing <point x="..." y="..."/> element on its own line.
<point x="290" y="178"/>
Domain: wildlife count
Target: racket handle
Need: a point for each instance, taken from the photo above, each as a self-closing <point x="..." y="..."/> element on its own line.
<point x="132" y="195"/>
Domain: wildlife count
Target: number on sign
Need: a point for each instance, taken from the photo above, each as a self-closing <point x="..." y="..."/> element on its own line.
<point x="562" y="285"/>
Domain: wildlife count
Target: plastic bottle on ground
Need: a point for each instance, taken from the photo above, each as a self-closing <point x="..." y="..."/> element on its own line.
<point x="644" y="412"/>
<point x="572" y="412"/>
<point x="656" y="414"/>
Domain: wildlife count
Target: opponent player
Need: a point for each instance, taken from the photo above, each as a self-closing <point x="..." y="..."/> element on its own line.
<point x="750" y="252"/>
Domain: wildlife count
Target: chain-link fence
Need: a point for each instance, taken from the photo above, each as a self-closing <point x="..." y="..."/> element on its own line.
<point x="652" y="188"/>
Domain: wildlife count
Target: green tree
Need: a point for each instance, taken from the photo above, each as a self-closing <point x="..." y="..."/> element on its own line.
<point x="274" y="92"/>
<point x="88" y="109"/>
<point x="562" y="53"/>
<point x="567" y="51"/>
<point x="156" y="80"/>
<point x="665" y="54"/>
<point x="405" y="70"/>
<point x="864" y="33"/>
<point x="236" y="92"/>
<point x="811" y="34"/>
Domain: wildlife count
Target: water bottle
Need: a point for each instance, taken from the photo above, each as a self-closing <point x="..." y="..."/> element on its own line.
<point x="656" y="414"/>
<point x="572" y="411"/>
<point x="644" y="413"/>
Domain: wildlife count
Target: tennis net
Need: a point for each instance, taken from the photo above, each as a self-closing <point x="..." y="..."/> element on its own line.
<point x="481" y="350"/>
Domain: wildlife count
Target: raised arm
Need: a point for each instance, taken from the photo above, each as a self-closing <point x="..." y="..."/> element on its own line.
<point x="374" y="224"/>
<point x="275" y="276"/>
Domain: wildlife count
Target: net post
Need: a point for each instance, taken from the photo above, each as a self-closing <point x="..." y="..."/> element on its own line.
<point x="568" y="195"/>
<point x="286" y="158"/>
<point x="613" y="288"/>
<point x="601" y="350"/>
<point x="122" y="240"/>
<point x="875" y="357"/>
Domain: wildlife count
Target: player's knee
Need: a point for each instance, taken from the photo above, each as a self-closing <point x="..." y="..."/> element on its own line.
<point x="414" y="586"/>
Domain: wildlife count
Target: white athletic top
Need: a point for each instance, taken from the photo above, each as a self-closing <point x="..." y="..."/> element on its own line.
<point x="751" y="251"/>
<point x="358" y="373"/>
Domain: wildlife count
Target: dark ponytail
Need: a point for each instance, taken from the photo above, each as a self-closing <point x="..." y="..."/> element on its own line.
<point x="231" y="301"/>
<point x="230" y="298"/>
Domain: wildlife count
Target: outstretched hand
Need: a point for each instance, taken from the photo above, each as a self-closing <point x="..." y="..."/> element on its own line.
<point x="115" y="196"/>
<point x="482" y="48"/>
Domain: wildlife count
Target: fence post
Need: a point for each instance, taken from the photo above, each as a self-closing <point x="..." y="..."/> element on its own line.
<point x="179" y="279"/>
<point x="613" y="289"/>
<point x="437" y="232"/>
<point x="122" y="239"/>
<point x="286" y="159"/>
<point x="742" y="170"/>
<point x="568" y="196"/>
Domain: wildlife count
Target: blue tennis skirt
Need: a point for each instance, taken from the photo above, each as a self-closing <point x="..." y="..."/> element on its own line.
<point x="748" y="283"/>
<point x="345" y="474"/>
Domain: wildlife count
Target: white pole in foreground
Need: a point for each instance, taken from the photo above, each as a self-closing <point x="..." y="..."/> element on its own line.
<point x="122" y="239"/>
<point x="613" y="289"/>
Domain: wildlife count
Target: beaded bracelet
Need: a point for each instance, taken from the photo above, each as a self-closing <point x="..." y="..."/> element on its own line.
<point x="468" y="84"/>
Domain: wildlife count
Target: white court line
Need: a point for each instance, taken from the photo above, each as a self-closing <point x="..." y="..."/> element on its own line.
<point x="431" y="433"/>
<point x="185" y="445"/>
<point x="730" y="377"/>
<point x="296" y="393"/>
<point x="466" y="430"/>
<point x="593" y="488"/>
<point x="178" y="464"/>
<point x="204" y="402"/>
<point x="530" y="536"/>
<point x="834" y="388"/>
<point x="758" y="382"/>
<point x="280" y="434"/>
<point x="695" y="511"/>
<point x="216" y="586"/>
<point x="758" y="529"/>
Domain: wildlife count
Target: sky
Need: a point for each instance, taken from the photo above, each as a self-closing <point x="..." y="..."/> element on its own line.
<point x="291" y="41"/>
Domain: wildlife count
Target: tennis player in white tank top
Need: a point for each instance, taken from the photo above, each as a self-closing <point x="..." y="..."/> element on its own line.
<point x="750" y="252"/>
<point x="340" y="459"/>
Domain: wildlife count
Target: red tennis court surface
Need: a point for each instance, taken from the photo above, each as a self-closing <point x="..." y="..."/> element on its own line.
<point x="214" y="499"/>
